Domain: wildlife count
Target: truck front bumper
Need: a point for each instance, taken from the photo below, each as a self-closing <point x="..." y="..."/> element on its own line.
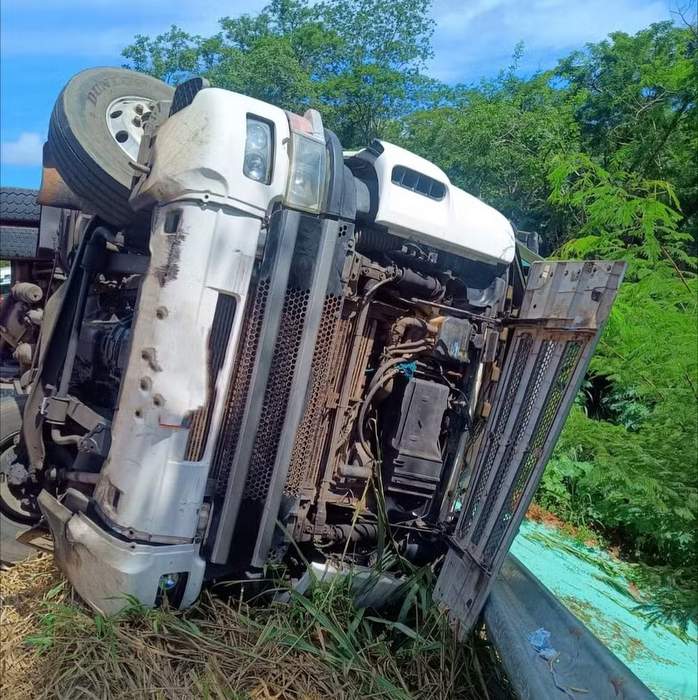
<point x="108" y="572"/>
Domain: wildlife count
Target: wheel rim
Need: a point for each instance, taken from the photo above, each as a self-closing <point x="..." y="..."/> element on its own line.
<point x="126" y="117"/>
<point x="12" y="506"/>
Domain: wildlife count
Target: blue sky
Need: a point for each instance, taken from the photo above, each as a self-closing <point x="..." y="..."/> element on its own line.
<point x="44" y="42"/>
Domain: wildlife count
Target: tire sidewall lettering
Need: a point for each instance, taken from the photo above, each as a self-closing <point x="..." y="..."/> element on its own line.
<point x="97" y="89"/>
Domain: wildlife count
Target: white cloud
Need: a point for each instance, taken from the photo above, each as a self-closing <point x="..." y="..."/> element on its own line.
<point x="25" y="150"/>
<point x="477" y="38"/>
<point x="472" y="37"/>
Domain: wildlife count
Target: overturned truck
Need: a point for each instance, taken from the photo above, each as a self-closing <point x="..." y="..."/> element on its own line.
<point x="268" y="352"/>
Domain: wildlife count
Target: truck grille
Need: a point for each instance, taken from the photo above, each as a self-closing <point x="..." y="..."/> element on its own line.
<point x="494" y="438"/>
<point x="276" y="394"/>
<point x="523" y="418"/>
<point x="278" y="376"/>
<point x="239" y="388"/>
<point x="564" y="307"/>
<point x="535" y="448"/>
<point x="310" y="438"/>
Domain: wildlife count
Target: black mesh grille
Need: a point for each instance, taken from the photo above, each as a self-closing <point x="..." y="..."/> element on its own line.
<point x="239" y="388"/>
<point x="564" y="372"/>
<point x="276" y="394"/>
<point x="494" y="438"/>
<point x="545" y="355"/>
<point x="218" y="340"/>
<point x="310" y="436"/>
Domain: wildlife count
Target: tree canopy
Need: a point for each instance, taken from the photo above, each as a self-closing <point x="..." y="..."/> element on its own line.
<point x="359" y="61"/>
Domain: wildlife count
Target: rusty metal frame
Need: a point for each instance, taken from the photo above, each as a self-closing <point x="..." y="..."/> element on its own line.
<point x="563" y="312"/>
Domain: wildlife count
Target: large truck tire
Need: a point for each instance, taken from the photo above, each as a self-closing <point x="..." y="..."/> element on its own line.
<point x="95" y="131"/>
<point x="19" y="223"/>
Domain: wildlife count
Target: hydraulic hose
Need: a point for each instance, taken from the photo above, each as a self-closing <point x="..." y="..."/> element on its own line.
<point x="367" y="402"/>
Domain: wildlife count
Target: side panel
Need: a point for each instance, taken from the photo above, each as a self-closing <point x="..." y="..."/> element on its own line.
<point x="564" y="309"/>
<point x="148" y="487"/>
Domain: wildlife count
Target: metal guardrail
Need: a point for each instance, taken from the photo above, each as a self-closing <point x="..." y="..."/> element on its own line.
<point x="574" y="664"/>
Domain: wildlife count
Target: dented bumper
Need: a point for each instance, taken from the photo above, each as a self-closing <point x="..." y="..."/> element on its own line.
<point x="107" y="572"/>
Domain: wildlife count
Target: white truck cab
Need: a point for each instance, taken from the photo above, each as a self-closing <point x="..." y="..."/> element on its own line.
<point x="265" y="347"/>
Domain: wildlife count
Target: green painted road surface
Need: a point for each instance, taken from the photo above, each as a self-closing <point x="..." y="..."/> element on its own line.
<point x="592" y="586"/>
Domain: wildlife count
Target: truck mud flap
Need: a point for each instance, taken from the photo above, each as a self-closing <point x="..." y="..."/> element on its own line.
<point x="549" y="345"/>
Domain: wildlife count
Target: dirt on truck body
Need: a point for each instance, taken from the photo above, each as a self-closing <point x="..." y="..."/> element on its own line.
<point x="267" y="353"/>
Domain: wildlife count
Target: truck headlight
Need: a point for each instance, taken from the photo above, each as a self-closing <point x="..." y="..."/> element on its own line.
<point x="258" y="151"/>
<point x="307" y="173"/>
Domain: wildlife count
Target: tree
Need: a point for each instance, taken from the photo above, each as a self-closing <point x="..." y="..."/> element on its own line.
<point x="636" y="106"/>
<point x="359" y="61"/>
<point x="618" y="213"/>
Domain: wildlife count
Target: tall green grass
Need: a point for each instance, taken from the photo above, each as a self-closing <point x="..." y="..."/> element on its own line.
<point x="316" y="645"/>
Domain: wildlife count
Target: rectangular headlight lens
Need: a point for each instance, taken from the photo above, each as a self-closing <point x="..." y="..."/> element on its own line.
<point x="258" y="151"/>
<point x="307" y="173"/>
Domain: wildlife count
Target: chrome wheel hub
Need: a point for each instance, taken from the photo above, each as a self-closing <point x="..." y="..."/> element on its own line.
<point x="126" y="118"/>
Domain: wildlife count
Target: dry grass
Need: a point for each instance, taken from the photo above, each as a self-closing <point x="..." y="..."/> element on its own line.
<point x="317" y="647"/>
<point x="21" y="589"/>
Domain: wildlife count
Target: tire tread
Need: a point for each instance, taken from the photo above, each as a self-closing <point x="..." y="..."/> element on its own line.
<point x="18" y="204"/>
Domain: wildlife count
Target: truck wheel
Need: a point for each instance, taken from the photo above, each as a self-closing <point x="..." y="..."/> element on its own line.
<point x="95" y="130"/>
<point x="11" y="507"/>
